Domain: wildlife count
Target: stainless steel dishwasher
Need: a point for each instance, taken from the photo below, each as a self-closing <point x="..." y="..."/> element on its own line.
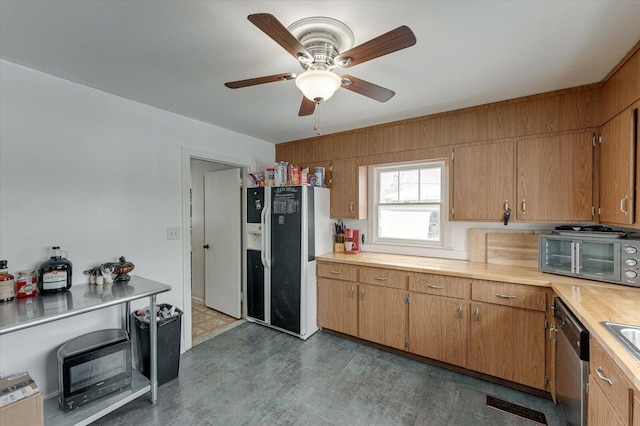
<point x="572" y="364"/>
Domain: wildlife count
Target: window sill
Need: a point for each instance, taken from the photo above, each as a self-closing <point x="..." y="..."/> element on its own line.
<point x="441" y="252"/>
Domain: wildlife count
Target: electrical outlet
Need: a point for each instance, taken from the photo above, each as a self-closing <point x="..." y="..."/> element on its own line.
<point x="173" y="233"/>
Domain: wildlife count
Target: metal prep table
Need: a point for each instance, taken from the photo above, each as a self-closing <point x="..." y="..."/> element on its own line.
<point x="81" y="299"/>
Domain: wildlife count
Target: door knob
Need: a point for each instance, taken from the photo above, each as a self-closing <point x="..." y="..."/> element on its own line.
<point x="206" y="246"/>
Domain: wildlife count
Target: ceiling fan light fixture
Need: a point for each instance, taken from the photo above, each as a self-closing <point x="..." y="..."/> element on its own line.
<point x="318" y="85"/>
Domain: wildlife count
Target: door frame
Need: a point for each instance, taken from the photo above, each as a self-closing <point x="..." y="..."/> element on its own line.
<point x="188" y="153"/>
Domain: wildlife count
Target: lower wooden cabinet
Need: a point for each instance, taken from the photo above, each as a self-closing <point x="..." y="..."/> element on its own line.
<point x="439" y="328"/>
<point x="338" y="305"/>
<point x="601" y="412"/>
<point x="382" y="316"/>
<point x="508" y="343"/>
<point x="370" y="312"/>
<point x="609" y="390"/>
<point x="490" y="327"/>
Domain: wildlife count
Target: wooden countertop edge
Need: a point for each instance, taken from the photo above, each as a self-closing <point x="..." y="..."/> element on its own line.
<point x="565" y="287"/>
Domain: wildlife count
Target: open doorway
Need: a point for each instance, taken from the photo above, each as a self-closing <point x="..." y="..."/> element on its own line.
<point x="199" y="322"/>
<point x="208" y="179"/>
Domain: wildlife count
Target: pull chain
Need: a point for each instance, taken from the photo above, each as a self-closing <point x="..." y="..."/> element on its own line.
<point x="316" y="126"/>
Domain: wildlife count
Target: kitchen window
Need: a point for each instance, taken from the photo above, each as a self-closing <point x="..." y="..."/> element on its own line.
<point x="408" y="203"/>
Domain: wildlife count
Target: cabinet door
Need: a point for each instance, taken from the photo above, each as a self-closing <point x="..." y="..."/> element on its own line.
<point x="338" y="306"/>
<point x="617" y="168"/>
<point x="508" y="343"/>
<point x="439" y="328"/>
<point x="636" y="409"/>
<point x="555" y="178"/>
<point x="383" y="315"/>
<point x="348" y="190"/>
<point x="600" y="410"/>
<point x="483" y="181"/>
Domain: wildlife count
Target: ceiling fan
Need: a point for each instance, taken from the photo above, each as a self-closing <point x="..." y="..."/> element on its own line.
<point x="322" y="44"/>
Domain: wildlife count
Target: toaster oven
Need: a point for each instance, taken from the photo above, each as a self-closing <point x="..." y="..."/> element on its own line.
<point x="601" y="258"/>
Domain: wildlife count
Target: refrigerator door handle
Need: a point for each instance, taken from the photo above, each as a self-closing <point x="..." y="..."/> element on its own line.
<point x="266" y="237"/>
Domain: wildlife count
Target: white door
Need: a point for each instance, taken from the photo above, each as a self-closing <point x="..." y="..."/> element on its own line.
<point x="222" y="236"/>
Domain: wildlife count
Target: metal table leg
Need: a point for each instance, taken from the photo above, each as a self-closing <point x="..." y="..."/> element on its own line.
<point x="127" y="318"/>
<point x="153" y="338"/>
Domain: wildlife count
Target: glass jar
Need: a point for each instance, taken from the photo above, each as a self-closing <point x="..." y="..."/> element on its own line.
<point x="26" y="283"/>
<point x="7" y="283"/>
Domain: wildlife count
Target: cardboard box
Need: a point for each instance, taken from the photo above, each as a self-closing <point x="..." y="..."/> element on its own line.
<point x="20" y="401"/>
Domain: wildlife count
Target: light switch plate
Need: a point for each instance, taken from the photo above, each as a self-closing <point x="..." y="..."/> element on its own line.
<point x="173" y="233"/>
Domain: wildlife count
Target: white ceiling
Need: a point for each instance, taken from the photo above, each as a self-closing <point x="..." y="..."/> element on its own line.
<point x="176" y="55"/>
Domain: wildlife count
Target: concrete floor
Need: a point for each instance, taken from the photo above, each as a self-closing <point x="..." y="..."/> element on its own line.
<point x="253" y="375"/>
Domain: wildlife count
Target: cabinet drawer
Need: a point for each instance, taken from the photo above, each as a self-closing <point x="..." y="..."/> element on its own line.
<point x="384" y="277"/>
<point x="611" y="380"/>
<point x="441" y="285"/>
<point x="516" y="295"/>
<point x="338" y="271"/>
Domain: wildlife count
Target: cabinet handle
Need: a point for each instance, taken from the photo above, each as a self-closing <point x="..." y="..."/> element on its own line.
<point x="362" y="294"/>
<point x="459" y="312"/>
<point x="352" y="292"/>
<point x="553" y="333"/>
<point x="623" y="203"/>
<point x="602" y="376"/>
<point x="505" y="296"/>
<point x="524" y="206"/>
<point x="437" y="287"/>
<point x="380" y="278"/>
<point x="351" y="207"/>
<point x="477" y="315"/>
<point x="506" y="205"/>
<point x="336" y="272"/>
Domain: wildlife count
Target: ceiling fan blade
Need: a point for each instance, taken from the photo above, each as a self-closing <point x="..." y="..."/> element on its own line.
<point x="260" y="80"/>
<point x="280" y="34"/>
<point x="367" y="89"/>
<point x="307" y="107"/>
<point x="398" y="39"/>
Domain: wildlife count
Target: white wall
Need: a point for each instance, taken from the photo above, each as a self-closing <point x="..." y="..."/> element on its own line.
<point x="101" y="176"/>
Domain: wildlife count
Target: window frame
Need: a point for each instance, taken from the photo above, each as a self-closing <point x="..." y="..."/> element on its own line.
<point x="374" y="203"/>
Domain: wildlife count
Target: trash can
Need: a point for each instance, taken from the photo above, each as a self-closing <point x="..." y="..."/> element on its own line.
<point x="169" y="323"/>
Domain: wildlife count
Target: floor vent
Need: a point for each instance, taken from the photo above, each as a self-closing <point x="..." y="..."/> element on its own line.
<point x="518" y="410"/>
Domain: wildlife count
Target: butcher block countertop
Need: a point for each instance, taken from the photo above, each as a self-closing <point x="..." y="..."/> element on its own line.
<point x="591" y="301"/>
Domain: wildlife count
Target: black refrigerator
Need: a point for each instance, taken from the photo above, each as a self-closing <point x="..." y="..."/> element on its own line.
<point x="286" y="227"/>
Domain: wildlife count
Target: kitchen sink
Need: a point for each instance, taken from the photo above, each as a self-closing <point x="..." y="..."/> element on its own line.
<point x="627" y="335"/>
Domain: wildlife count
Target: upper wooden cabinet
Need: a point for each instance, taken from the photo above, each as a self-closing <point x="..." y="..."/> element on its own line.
<point x="617" y="168"/>
<point x="348" y="190"/>
<point x="555" y="178"/>
<point x="483" y="177"/>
